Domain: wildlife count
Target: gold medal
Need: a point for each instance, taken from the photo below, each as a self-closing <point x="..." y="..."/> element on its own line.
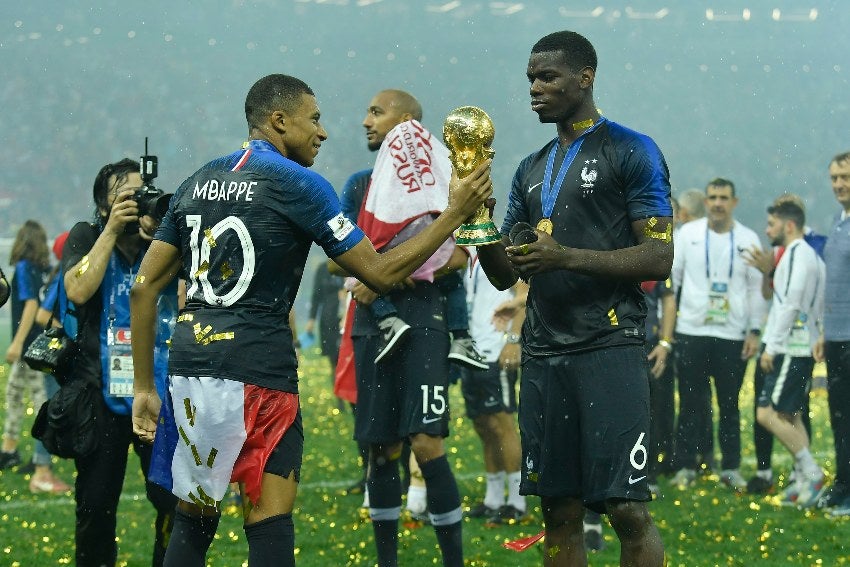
<point x="545" y="225"/>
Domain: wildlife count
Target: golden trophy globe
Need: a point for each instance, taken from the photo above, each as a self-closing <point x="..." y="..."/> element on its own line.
<point x="468" y="133"/>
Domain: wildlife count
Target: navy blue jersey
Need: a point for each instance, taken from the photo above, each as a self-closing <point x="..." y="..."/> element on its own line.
<point x="619" y="176"/>
<point x="353" y="193"/>
<point x="244" y="224"/>
<point x="26" y="283"/>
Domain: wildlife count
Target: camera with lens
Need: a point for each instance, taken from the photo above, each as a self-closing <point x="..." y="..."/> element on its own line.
<point x="150" y="200"/>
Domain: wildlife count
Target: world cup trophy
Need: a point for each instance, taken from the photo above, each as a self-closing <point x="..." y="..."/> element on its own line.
<point x="468" y="133"/>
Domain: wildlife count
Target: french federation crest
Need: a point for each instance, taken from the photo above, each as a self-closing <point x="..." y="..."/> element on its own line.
<point x="589" y="177"/>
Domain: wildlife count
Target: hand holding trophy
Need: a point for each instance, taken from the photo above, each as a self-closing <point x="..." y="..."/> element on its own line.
<point x="468" y="133"/>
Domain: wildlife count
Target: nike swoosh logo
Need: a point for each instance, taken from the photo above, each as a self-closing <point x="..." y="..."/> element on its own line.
<point x="531" y="187"/>
<point x="427" y="420"/>
<point x="634" y="480"/>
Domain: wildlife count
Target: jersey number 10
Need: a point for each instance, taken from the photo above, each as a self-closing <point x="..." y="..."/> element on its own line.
<point x="204" y="259"/>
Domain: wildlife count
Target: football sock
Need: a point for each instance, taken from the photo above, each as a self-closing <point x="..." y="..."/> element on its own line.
<point x="807" y="465"/>
<point x="591" y="517"/>
<point x="495" y="496"/>
<point x="515" y="499"/>
<point x="445" y="510"/>
<point x="384" y="485"/>
<point x="190" y="539"/>
<point x="271" y="541"/>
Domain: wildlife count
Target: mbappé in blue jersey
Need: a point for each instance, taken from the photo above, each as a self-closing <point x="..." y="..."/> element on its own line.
<point x="619" y="176"/>
<point x="244" y="224"/>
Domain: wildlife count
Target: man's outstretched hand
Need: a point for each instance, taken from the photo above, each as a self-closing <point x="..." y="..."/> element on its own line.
<point x="145" y="415"/>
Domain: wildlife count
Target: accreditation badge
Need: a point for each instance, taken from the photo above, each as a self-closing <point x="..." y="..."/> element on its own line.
<point x="120" y="363"/>
<point x="718" y="304"/>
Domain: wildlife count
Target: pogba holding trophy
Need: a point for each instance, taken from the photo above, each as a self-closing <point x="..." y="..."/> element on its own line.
<point x="468" y="133"/>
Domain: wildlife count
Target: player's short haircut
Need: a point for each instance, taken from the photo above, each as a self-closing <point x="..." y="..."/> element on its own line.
<point x="578" y="51"/>
<point x="273" y="92"/>
<point x="693" y="201"/>
<point x="405" y="103"/>
<point x="788" y="210"/>
<point x="102" y="186"/>
<point x="790" y="198"/>
<point x="720" y="182"/>
<point x="840" y="158"/>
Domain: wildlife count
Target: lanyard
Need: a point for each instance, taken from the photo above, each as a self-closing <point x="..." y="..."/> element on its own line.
<point x="731" y="254"/>
<point x="115" y="269"/>
<point x="549" y="193"/>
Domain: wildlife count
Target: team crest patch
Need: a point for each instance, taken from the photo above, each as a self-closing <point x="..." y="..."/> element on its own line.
<point x="340" y="226"/>
<point x="588" y="176"/>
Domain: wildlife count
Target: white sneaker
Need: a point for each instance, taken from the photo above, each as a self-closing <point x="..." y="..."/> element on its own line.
<point x="464" y="352"/>
<point x="393" y="330"/>
<point x="684" y="478"/>
<point x="365" y="499"/>
<point x="733" y="479"/>
<point x="809" y="491"/>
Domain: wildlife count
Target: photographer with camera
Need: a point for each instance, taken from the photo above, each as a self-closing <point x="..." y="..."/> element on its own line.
<point x="100" y="263"/>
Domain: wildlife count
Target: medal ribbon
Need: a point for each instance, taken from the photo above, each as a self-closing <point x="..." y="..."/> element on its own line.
<point x="731" y="255"/>
<point x="549" y="193"/>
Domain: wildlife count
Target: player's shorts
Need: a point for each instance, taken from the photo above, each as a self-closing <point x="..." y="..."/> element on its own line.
<point x="490" y="391"/>
<point x="787" y="387"/>
<point x="407" y="392"/>
<point x="584" y="423"/>
<point x="213" y="431"/>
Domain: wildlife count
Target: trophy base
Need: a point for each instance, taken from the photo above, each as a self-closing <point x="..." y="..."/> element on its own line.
<point x="478" y="234"/>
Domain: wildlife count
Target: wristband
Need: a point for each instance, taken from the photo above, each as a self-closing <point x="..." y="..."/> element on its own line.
<point x="668" y="346"/>
<point x="512" y="338"/>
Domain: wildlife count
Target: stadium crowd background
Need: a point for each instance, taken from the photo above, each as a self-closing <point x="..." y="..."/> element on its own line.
<point x="755" y="92"/>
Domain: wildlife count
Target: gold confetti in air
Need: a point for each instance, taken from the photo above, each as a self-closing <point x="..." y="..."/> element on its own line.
<point x="666" y="236"/>
<point x="208" y="235"/>
<point x="226" y="271"/>
<point x="612" y="315"/>
<point x="186" y="317"/>
<point x="140" y="279"/>
<point x="84" y="266"/>
<point x="202" y="268"/>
